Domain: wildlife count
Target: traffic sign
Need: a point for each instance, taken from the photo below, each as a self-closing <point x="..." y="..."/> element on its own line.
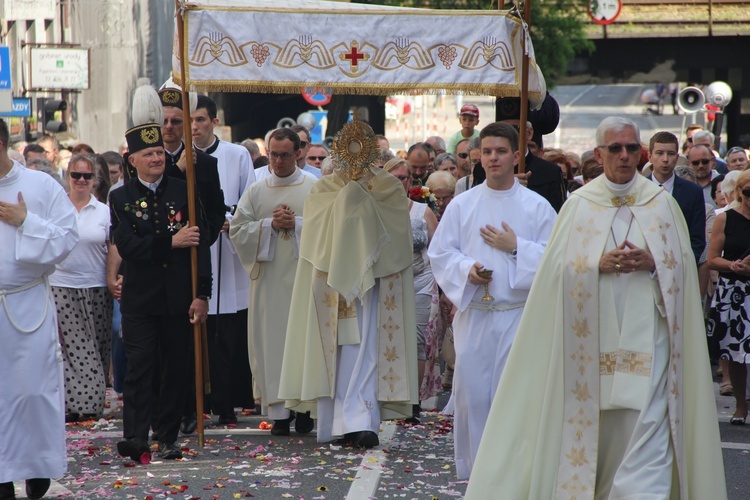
<point x="604" y="11"/>
<point x="21" y="107"/>
<point x="317" y="96"/>
<point x="5" y="81"/>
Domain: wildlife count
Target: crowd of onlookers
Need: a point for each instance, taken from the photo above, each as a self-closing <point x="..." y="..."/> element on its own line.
<point x="432" y="172"/>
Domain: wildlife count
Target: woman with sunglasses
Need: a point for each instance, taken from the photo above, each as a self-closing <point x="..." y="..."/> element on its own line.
<point x="729" y="323"/>
<point x="84" y="305"/>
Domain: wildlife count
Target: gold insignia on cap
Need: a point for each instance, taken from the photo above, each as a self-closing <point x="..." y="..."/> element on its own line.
<point x="170" y="97"/>
<point x="150" y="135"/>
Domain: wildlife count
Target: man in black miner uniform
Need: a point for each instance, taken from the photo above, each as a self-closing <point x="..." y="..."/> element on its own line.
<point x="545" y="179"/>
<point x="150" y="229"/>
<point x="211" y="200"/>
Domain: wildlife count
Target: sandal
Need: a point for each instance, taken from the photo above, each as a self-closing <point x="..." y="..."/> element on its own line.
<point x="725" y="389"/>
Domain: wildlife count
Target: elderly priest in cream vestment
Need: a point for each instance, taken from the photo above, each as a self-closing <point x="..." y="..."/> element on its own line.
<point x="612" y="395"/>
<point x="350" y="354"/>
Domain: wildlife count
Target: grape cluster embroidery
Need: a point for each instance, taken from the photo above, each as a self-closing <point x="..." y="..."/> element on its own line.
<point x="260" y="53"/>
<point x="447" y="54"/>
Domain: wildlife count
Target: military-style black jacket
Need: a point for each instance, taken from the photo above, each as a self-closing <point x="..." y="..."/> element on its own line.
<point x="156" y="277"/>
<point x="209" y="187"/>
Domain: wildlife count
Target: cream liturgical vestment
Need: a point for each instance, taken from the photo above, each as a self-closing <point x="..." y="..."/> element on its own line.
<point x="270" y="258"/>
<point x="612" y="394"/>
<point x="484" y="330"/>
<point x="32" y="390"/>
<point x="353" y="289"/>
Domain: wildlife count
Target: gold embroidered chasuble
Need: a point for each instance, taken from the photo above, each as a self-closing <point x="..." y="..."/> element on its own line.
<point x="541" y="438"/>
<point x="355" y="233"/>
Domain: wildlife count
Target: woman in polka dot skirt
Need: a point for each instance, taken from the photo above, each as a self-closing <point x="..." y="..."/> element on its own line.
<point x="84" y="305"/>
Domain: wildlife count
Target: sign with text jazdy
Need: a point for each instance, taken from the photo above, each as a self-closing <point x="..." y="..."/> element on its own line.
<point x="21" y="107"/>
<point x="59" y="68"/>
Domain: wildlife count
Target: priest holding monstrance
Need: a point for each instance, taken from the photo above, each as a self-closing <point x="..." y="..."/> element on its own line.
<point x="611" y="395"/>
<point x="350" y="354"/>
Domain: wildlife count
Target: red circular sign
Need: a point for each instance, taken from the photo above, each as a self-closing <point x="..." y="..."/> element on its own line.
<point x="604" y="11"/>
<point x="317" y="96"/>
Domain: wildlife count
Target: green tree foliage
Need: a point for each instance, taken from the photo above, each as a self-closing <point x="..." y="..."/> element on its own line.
<point x="557" y="28"/>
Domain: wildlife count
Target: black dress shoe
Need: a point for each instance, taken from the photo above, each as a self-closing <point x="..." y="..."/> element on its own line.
<point x="365" y="439"/>
<point x="133" y="448"/>
<point x="36" y="488"/>
<point x="304" y="423"/>
<point x="281" y="427"/>
<point x="7" y="491"/>
<point x="416" y="414"/>
<point x="71" y="417"/>
<point x="188" y="425"/>
<point x="227" y="418"/>
<point x="168" y="451"/>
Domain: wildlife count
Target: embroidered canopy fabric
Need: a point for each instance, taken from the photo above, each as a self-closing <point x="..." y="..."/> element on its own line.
<point x="281" y="47"/>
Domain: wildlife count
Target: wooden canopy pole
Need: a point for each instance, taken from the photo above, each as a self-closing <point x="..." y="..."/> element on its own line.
<point x="523" y="118"/>
<point x="193" y="218"/>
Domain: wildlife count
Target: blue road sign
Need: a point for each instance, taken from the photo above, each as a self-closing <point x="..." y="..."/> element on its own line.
<point x="5" y="81"/>
<point x="21" y="107"/>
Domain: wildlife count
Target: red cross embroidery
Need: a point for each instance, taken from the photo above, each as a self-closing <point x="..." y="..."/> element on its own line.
<point x="354" y="56"/>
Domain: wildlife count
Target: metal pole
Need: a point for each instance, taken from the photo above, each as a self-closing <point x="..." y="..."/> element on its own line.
<point x="522" y="141"/>
<point x="193" y="218"/>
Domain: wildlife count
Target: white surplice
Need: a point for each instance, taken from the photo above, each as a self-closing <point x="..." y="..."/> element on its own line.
<point x="32" y="391"/>
<point x="484" y="331"/>
<point x="236" y="174"/>
<point x="270" y="258"/>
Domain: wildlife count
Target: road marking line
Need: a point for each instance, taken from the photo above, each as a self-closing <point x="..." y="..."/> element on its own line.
<point x="366" y="482"/>
<point x="581" y="94"/>
<point x="55" y="490"/>
<point x="736" y="446"/>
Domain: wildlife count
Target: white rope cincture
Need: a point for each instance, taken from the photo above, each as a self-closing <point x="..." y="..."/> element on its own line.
<point x="495" y="307"/>
<point x="28" y="286"/>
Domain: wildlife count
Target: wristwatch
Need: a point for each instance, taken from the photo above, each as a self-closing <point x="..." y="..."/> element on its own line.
<point x="203" y="297"/>
<point x="514" y="253"/>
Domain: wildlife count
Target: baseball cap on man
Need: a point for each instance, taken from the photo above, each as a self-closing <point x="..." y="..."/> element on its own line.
<point x="469" y="109"/>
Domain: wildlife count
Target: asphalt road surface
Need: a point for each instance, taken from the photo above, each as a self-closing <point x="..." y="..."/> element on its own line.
<point x="243" y="461"/>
